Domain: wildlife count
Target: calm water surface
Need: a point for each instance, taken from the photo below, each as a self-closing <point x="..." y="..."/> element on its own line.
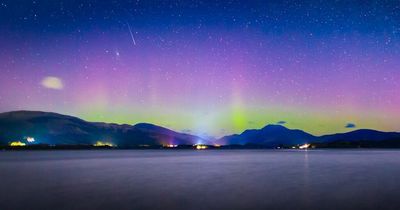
<point x="185" y="180"/>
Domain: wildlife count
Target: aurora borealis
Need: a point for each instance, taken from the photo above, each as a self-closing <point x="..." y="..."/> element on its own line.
<point x="205" y="67"/>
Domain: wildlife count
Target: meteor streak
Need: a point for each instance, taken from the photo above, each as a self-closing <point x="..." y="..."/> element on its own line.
<point x="130" y="31"/>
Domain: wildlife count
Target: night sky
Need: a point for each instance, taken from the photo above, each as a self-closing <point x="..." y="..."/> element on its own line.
<point x="205" y="67"/>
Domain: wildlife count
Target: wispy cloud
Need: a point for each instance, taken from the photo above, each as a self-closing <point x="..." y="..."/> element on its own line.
<point x="52" y="83"/>
<point x="350" y="125"/>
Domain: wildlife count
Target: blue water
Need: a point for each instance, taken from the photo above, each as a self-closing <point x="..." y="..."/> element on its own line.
<point x="186" y="179"/>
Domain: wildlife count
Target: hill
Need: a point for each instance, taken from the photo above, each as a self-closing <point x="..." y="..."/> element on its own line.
<point x="57" y="129"/>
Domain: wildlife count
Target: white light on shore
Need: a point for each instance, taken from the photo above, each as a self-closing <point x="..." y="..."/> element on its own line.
<point x="30" y="139"/>
<point x="304" y="146"/>
<point x="171" y="145"/>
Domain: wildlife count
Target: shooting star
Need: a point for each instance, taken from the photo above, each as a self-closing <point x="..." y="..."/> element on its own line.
<point x="130" y="31"/>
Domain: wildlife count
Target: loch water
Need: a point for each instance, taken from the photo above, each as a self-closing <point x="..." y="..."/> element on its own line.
<point x="197" y="180"/>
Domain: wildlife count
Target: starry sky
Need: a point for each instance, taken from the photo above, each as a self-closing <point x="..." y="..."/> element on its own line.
<point x="209" y="68"/>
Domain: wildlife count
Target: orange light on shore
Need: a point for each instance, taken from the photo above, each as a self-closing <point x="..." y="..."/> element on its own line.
<point x="17" y="144"/>
<point x="103" y="144"/>
<point x="200" y="147"/>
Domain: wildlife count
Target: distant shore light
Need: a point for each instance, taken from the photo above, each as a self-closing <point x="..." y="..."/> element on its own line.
<point x="201" y="147"/>
<point x="304" y="146"/>
<point x="103" y="144"/>
<point x="17" y="144"/>
<point x="30" y="139"/>
<point x="171" y="145"/>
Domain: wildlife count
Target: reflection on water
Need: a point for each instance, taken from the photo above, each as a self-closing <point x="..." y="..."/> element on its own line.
<point x="219" y="179"/>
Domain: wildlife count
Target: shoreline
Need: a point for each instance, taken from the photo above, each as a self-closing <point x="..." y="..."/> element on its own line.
<point x="181" y="147"/>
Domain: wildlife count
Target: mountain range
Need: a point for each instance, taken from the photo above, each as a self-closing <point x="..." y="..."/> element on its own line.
<point x="56" y="129"/>
<point x="278" y="135"/>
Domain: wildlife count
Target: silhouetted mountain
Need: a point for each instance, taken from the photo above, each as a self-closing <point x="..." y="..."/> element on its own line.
<point x="275" y="135"/>
<point x="53" y="128"/>
<point x="360" y="135"/>
<point x="270" y="135"/>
